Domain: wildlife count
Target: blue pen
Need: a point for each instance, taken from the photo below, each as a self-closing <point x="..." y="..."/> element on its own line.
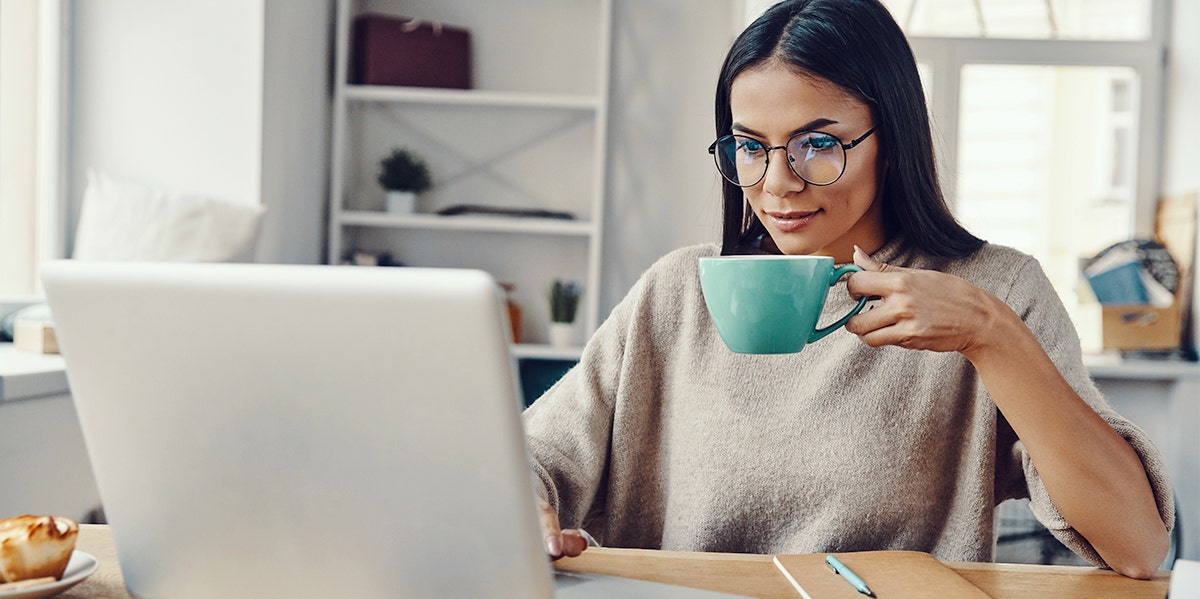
<point x="850" y="576"/>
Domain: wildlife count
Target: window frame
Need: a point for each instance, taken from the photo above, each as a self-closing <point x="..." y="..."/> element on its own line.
<point x="44" y="206"/>
<point x="53" y="85"/>
<point x="946" y="56"/>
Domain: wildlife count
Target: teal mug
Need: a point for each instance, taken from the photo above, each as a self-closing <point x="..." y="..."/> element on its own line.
<point x="770" y="304"/>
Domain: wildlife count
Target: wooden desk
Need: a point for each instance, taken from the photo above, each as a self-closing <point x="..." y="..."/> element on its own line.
<point x="753" y="575"/>
<point x="756" y="575"/>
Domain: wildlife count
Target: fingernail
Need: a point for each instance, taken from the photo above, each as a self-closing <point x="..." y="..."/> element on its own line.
<point x="553" y="545"/>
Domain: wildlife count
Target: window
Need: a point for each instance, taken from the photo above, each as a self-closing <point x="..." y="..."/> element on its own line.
<point x="1046" y="115"/>
<point x="1105" y="20"/>
<point x="30" y="145"/>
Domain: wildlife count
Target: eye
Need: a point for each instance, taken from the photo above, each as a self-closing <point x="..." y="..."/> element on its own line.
<point x="817" y="142"/>
<point x="749" y="147"/>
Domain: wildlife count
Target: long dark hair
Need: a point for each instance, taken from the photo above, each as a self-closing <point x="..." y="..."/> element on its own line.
<point x="856" y="45"/>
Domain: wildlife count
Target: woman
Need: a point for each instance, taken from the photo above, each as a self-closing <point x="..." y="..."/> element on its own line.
<point x="961" y="387"/>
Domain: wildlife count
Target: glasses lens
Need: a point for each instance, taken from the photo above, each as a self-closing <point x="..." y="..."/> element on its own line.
<point x="741" y="160"/>
<point x="817" y="157"/>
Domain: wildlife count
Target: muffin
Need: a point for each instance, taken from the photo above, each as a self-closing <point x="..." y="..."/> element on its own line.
<point x="36" y="546"/>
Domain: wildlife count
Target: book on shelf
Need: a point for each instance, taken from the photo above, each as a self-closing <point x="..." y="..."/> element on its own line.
<point x="1119" y="284"/>
<point x="1122" y="275"/>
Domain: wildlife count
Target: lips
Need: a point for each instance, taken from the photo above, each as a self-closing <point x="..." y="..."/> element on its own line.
<point x="789" y="222"/>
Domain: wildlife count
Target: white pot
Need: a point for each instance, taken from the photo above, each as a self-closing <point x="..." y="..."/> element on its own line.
<point x="562" y="334"/>
<point x="401" y="202"/>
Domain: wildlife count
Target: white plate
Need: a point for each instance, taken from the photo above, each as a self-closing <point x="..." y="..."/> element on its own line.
<point x="80" y="567"/>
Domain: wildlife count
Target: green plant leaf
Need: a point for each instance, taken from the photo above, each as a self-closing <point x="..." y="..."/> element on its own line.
<point x="564" y="300"/>
<point x="404" y="170"/>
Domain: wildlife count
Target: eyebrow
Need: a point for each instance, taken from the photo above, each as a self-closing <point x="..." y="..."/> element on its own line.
<point x="809" y="126"/>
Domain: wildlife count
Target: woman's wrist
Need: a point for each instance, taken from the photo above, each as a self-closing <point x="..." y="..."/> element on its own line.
<point x="1001" y="337"/>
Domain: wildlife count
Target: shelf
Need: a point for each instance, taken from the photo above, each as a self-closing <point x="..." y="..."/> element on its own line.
<point x="497" y="224"/>
<point x="469" y="97"/>
<point x="546" y="352"/>
<point x="26" y="375"/>
<point x="532" y="134"/>
<point x="1110" y="366"/>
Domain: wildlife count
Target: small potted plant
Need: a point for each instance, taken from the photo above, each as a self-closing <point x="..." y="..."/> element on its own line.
<point x="403" y="174"/>
<point x="564" y="301"/>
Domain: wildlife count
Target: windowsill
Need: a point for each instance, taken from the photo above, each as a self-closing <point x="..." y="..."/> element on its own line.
<point x="26" y="375"/>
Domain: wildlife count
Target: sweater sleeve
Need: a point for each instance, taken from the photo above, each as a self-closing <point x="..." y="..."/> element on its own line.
<point x="569" y="428"/>
<point x="1033" y="297"/>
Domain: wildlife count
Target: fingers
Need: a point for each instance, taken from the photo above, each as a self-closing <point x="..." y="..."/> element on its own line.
<point x="559" y="543"/>
<point x="550" y="529"/>
<point x="919" y="309"/>
<point x="573" y="543"/>
<point x="876" y="279"/>
<point x="871" y="320"/>
<point x="864" y="261"/>
<point x="869" y="264"/>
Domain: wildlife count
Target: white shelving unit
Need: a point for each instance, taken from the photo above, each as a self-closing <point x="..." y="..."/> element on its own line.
<point x="532" y="134"/>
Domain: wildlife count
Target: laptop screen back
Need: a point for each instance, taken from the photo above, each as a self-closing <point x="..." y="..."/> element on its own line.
<point x="301" y="431"/>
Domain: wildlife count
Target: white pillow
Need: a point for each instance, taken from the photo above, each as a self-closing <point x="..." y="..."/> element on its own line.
<point x="120" y="220"/>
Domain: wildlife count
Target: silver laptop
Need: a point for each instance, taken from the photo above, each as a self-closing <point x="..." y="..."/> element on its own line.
<point x="306" y="431"/>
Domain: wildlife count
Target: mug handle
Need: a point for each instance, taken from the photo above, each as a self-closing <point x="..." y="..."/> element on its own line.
<point x="838" y="273"/>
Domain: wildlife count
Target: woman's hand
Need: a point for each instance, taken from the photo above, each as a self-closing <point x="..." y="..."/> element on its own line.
<point x="559" y="543"/>
<point x="922" y="309"/>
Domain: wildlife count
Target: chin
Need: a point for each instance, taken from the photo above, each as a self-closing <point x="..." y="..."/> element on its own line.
<point x="788" y="245"/>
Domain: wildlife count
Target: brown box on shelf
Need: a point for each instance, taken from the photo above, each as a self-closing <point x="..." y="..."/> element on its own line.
<point x="1147" y="327"/>
<point x="1142" y="327"/>
<point x="390" y="50"/>
<point x="35" y="336"/>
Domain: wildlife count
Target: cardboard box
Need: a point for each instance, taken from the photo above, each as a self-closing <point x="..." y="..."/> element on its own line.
<point x="1142" y="326"/>
<point x="35" y="336"/>
<point x="390" y="50"/>
<point x="1139" y="327"/>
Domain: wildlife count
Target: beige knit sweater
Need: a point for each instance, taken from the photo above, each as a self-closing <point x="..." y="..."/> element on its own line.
<point x="662" y="438"/>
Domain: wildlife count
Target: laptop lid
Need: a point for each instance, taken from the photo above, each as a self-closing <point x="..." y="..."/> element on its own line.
<point x="301" y="431"/>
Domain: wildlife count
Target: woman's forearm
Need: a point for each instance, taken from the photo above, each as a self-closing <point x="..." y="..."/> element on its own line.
<point x="1095" y="478"/>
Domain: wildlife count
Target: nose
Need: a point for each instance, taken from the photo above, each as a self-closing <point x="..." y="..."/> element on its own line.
<point x="780" y="179"/>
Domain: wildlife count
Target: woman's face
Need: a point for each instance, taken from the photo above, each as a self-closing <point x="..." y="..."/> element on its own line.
<point x="770" y="103"/>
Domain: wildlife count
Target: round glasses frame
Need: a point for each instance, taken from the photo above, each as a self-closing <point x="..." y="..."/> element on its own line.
<point x="712" y="149"/>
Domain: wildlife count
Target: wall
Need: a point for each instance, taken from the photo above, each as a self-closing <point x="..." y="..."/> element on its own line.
<point x="225" y="98"/>
<point x="1181" y="159"/>
<point x="297" y="103"/>
<point x="663" y="192"/>
<point x="154" y="105"/>
<point x="1181" y="174"/>
<point x="1162" y="406"/>
<point x="55" y="479"/>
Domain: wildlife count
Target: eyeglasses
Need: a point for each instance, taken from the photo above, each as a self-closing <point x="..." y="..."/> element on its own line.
<point x="818" y="158"/>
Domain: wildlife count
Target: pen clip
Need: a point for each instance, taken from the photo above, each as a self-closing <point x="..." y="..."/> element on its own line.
<point x="832" y="562"/>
